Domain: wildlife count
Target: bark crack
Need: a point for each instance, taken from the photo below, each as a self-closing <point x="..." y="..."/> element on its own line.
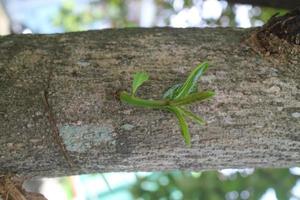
<point x="53" y="124"/>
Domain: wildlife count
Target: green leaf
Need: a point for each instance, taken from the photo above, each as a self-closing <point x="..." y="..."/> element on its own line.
<point x="199" y="96"/>
<point x="182" y="123"/>
<point x="138" y="79"/>
<point x="191" y="81"/>
<point x="132" y="100"/>
<point x="192" y="116"/>
<point x="173" y="91"/>
<point x="170" y="92"/>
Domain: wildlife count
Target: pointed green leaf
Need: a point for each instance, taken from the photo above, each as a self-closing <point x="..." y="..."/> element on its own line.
<point x="182" y="123"/>
<point x="138" y="79"/>
<point x="192" y="116"/>
<point x="172" y="92"/>
<point x="191" y="81"/>
<point x="199" y="96"/>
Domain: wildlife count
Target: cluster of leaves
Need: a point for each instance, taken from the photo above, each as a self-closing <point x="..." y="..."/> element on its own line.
<point x="118" y="13"/>
<point x="175" y="99"/>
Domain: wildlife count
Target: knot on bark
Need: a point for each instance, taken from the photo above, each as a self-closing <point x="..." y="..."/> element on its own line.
<point x="285" y="27"/>
<point x="280" y="36"/>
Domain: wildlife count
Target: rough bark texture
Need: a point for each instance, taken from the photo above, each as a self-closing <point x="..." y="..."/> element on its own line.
<point x="286" y="4"/>
<point x="253" y="121"/>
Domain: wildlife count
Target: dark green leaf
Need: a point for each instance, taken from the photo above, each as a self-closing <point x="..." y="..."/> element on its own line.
<point x="138" y="79"/>
<point x="191" y="81"/>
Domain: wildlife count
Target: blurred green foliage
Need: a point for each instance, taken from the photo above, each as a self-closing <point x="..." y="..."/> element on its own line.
<point x="72" y="18"/>
<point x="267" y="13"/>
<point x="66" y="184"/>
<point x="214" y="185"/>
<point x="121" y="13"/>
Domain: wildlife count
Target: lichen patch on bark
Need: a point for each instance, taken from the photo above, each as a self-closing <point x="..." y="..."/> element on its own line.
<point x="81" y="138"/>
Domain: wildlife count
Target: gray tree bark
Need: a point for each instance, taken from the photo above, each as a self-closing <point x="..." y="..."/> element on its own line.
<point x="66" y="84"/>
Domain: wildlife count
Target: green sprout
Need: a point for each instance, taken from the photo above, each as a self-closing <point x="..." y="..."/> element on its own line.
<point x="175" y="99"/>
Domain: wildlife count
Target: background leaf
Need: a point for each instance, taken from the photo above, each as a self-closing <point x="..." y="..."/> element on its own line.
<point x="138" y="79"/>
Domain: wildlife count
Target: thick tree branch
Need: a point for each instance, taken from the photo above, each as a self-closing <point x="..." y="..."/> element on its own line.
<point x="252" y="122"/>
<point x="286" y="4"/>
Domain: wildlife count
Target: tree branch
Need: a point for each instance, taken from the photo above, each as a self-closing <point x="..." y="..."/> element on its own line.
<point x="286" y="4"/>
<point x="253" y="121"/>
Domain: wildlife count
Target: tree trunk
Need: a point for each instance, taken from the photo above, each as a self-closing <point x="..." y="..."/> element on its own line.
<point x="4" y="21"/>
<point x="67" y="85"/>
<point x="286" y="4"/>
